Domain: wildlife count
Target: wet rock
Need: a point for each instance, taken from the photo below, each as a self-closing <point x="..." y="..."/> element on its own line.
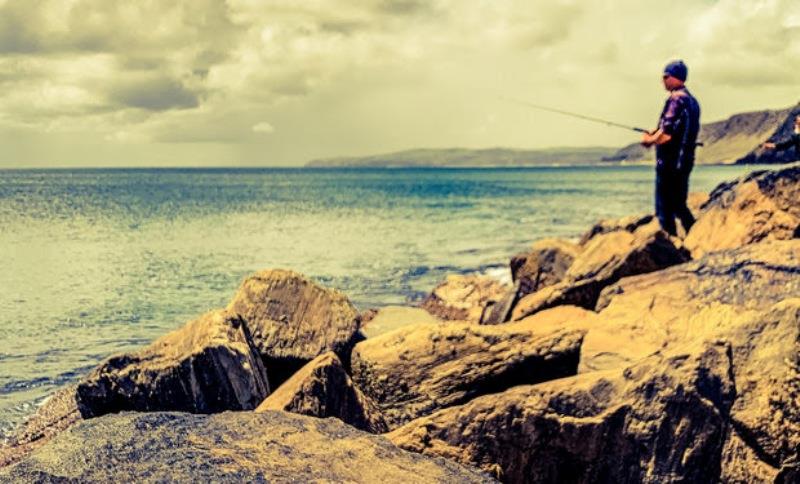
<point x="661" y="420"/>
<point x="463" y="297"/>
<point x="57" y="413"/>
<point x="418" y="369"/>
<point x="227" y="447"/>
<point x="604" y="260"/>
<point x="322" y="388"/>
<point x="293" y="320"/>
<point x="760" y="206"/>
<point x="209" y="365"/>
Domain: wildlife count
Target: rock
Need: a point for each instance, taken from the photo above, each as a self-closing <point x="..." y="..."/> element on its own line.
<point x="605" y="259"/>
<point x="463" y="297"/>
<point x="323" y="389"/>
<point x="227" y="447"/>
<point x="642" y="314"/>
<point x="419" y="369"/>
<point x="293" y="320"/>
<point x="625" y="224"/>
<point x="766" y="356"/>
<point x="209" y="365"/>
<point x="389" y="318"/>
<point x="661" y="420"/>
<point x="760" y="206"/>
<point x="545" y="265"/>
<point x="57" y="413"/>
<point x="695" y="202"/>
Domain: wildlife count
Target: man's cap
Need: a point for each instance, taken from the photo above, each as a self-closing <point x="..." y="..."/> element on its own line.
<point x="677" y="69"/>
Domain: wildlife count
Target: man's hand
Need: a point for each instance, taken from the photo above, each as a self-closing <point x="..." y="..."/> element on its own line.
<point x="648" y="139"/>
<point x="768" y="146"/>
<point x="657" y="137"/>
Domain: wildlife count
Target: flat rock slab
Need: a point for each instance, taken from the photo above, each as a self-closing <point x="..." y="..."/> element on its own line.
<point x="322" y="388"/>
<point x="419" y="369"/>
<point x="464" y="297"/>
<point x="293" y="320"/>
<point x="390" y="318"/>
<point x="227" y="447"/>
<point x="209" y="365"/>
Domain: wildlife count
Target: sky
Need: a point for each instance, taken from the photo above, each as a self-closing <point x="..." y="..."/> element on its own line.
<point x="86" y="83"/>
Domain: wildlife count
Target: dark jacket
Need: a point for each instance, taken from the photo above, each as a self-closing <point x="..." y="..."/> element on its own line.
<point x="680" y="119"/>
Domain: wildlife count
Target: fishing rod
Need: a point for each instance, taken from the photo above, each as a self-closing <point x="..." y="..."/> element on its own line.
<point x="584" y="117"/>
<point x="579" y="116"/>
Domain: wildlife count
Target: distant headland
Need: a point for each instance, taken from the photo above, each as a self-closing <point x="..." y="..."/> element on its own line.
<point x="735" y="140"/>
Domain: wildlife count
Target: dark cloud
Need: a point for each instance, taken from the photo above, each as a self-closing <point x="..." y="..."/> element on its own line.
<point x="158" y="94"/>
<point x="405" y="7"/>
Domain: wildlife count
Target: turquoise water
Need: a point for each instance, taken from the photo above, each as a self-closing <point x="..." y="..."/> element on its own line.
<point x="100" y="261"/>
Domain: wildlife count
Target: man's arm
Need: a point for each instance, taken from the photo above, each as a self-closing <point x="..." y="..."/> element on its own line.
<point x="657" y="137"/>
<point x="782" y="145"/>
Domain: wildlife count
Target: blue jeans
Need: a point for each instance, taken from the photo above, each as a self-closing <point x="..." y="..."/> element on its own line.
<point x="672" y="189"/>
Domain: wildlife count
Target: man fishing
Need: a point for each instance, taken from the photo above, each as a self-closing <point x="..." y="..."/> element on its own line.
<point x="793" y="140"/>
<point x="675" y="140"/>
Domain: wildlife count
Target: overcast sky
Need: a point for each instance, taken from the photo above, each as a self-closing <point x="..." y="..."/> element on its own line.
<point x="280" y="82"/>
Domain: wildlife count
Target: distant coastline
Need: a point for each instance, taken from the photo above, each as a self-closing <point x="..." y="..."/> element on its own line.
<point x="734" y="140"/>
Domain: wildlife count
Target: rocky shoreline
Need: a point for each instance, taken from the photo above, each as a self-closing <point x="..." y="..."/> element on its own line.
<point x="626" y="356"/>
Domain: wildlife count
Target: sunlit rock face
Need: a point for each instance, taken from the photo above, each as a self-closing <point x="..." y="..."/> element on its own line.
<point x="293" y="320"/>
<point x="760" y="206"/>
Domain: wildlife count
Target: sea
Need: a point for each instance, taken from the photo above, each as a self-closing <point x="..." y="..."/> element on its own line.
<point x="99" y="261"/>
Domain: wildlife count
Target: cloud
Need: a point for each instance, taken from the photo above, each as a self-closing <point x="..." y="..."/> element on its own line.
<point x="341" y="76"/>
<point x="263" y="127"/>
<point x="749" y="44"/>
<point x="156" y="94"/>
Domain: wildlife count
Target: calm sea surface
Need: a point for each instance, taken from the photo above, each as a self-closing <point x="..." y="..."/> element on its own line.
<point x="94" y="262"/>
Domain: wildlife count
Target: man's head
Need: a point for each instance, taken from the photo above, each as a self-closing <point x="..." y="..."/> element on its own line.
<point x="675" y="75"/>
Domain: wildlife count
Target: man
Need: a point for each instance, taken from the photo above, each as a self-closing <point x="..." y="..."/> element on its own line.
<point x="675" y="140"/>
<point x="793" y="140"/>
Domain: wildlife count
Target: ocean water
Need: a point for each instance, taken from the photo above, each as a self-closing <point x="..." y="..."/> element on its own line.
<point x="93" y="262"/>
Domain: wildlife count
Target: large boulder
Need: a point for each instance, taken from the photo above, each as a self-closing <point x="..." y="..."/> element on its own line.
<point x="605" y="259"/>
<point x="464" y="297"/>
<point x="209" y="365"/>
<point x="764" y="205"/>
<point x="419" y="369"/>
<point x="766" y="414"/>
<point x="724" y="407"/>
<point x="227" y="447"/>
<point x="293" y="320"/>
<point x="642" y="314"/>
<point x="57" y="413"/>
<point x="661" y="420"/>
<point x="323" y="389"/>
